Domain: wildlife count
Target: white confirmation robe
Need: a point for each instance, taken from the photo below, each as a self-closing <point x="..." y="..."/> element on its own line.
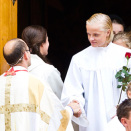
<point x="46" y="72"/>
<point x="28" y="105"/>
<point x="91" y="80"/>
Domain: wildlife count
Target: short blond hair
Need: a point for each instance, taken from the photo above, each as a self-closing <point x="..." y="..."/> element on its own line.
<point x="105" y="22"/>
<point x="125" y="37"/>
<point x="129" y="34"/>
<point x="129" y="87"/>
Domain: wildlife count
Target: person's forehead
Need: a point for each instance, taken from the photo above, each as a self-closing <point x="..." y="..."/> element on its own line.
<point x="117" y="26"/>
<point x="130" y="115"/>
<point x="94" y="28"/>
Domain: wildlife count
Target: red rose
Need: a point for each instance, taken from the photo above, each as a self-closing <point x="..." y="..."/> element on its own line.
<point x="128" y="55"/>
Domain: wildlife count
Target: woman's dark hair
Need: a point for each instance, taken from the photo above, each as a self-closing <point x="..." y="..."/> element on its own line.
<point x="34" y="36"/>
<point x="117" y="19"/>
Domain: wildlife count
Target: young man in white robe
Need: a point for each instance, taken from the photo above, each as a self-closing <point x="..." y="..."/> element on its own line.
<point x="91" y="75"/>
<point x="26" y="104"/>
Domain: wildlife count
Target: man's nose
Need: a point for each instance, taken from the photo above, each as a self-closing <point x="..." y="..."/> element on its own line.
<point x="91" y="38"/>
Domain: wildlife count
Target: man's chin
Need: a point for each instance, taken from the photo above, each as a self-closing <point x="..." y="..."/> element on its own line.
<point x="93" y="45"/>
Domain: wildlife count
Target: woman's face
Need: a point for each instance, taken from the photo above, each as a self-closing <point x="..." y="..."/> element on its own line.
<point x="96" y="36"/>
<point x="44" y="47"/>
<point x="117" y="28"/>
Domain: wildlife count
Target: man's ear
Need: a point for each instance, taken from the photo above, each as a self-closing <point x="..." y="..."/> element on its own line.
<point x="42" y="45"/>
<point x="124" y="122"/>
<point x="26" y="55"/>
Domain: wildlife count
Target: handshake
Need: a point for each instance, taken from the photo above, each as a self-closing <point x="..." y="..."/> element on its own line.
<point x="75" y="107"/>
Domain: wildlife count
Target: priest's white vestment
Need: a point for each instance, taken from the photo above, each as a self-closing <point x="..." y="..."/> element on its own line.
<point x="28" y="105"/>
<point x="46" y="73"/>
<point x="91" y="80"/>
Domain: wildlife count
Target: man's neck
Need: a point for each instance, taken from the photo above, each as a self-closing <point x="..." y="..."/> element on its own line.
<point x="23" y="65"/>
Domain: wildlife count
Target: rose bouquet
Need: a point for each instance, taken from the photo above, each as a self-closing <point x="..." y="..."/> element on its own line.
<point x="123" y="76"/>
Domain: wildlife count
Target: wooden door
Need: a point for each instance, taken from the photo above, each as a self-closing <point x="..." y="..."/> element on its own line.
<point x="8" y="27"/>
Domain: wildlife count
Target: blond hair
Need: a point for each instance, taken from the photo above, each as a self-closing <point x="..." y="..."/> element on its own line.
<point x="129" y="87"/>
<point x="125" y="37"/>
<point x="129" y="34"/>
<point x="105" y="22"/>
<point x="128" y="90"/>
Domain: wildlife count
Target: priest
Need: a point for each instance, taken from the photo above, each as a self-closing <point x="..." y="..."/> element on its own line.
<point x="27" y="104"/>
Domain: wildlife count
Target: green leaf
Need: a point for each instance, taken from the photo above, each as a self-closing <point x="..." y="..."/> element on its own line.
<point x="120" y="79"/>
<point x="125" y="72"/>
<point x="123" y="88"/>
<point x="125" y="68"/>
<point x="127" y="75"/>
<point x="118" y="74"/>
<point x="118" y="86"/>
<point x="126" y="79"/>
<point x="129" y="78"/>
<point x="124" y="83"/>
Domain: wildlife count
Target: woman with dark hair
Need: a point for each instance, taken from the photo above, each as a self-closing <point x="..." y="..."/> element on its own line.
<point x="37" y="40"/>
<point x="117" y="23"/>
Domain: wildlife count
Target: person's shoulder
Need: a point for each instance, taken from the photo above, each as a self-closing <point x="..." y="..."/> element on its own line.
<point x="83" y="51"/>
<point x="80" y="55"/>
<point x="34" y="78"/>
<point x="80" y="59"/>
<point x="118" y="48"/>
<point x="38" y="64"/>
<point x="2" y="77"/>
<point x="118" y="51"/>
<point x="45" y="67"/>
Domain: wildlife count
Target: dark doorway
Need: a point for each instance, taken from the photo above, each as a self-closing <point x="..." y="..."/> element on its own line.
<point x="65" y="23"/>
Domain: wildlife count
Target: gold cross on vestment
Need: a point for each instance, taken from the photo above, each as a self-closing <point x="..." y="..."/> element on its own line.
<point x="7" y="109"/>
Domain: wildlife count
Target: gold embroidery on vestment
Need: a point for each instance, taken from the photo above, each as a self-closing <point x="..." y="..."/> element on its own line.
<point x="64" y="120"/>
<point x="7" y="102"/>
<point x="36" y="90"/>
<point x="33" y="106"/>
<point x="7" y="109"/>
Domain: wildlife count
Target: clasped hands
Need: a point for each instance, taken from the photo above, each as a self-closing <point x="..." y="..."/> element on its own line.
<point x="76" y="108"/>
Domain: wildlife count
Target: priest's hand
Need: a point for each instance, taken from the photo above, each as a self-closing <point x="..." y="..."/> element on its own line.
<point x="76" y="108"/>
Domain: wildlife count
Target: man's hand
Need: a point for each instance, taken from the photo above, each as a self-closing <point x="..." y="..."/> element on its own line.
<point x="76" y="108"/>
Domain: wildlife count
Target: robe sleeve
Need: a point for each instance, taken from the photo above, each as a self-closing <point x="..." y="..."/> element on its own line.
<point x="60" y="117"/>
<point x="55" y="82"/>
<point x="73" y="90"/>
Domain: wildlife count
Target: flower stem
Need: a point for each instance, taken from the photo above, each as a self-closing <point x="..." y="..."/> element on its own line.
<point x="127" y="61"/>
<point x="120" y="96"/>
